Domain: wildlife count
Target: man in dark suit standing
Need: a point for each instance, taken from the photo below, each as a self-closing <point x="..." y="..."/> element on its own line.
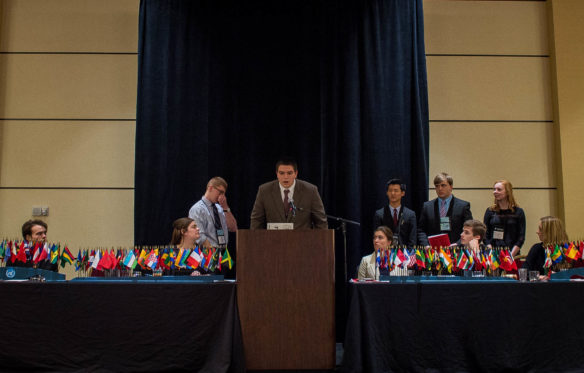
<point x="445" y="214"/>
<point x="400" y="219"/>
<point x="288" y="200"/>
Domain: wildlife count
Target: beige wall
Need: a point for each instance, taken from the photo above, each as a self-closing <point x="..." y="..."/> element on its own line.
<point x="490" y="95"/>
<point x="68" y="77"/>
<point x="567" y="28"/>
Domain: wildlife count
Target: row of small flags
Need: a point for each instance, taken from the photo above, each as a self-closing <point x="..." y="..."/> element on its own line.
<point x="146" y="258"/>
<point x="451" y="259"/>
<point x="34" y="253"/>
<point x="155" y="258"/>
<point x="563" y="253"/>
<point x="455" y="259"/>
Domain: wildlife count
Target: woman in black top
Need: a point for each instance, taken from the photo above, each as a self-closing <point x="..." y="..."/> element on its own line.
<point x="550" y="232"/>
<point x="505" y="220"/>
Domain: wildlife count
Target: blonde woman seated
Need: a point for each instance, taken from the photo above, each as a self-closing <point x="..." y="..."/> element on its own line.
<point x="184" y="236"/>
<point x="550" y="231"/>
<point x="381" y="241"/>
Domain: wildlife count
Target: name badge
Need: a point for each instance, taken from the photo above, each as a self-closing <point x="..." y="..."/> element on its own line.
<point x="445" y="223"/>
<point x="498" y="233"/>
<point x="220" y="237"/>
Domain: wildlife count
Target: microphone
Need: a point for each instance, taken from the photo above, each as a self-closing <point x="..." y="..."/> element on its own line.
<point x="292" y="206"/>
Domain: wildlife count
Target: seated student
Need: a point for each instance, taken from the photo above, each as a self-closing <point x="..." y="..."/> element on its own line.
<point x="381" y="241"/>
<point x="184" y="236"/>
<point x="549" y="231"/>
<point x="400" y="219"/>
<point x="473" y="234"/>
<point x="36" y="231"/>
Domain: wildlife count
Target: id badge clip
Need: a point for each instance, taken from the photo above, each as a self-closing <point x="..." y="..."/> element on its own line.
<point x="445" y="224"/>
<point x="220" y="237"/>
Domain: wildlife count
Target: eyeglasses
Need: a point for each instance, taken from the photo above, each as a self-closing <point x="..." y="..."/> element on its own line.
<point x="219" y="190"/>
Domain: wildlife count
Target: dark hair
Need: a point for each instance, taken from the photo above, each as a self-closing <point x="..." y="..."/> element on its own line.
<point x="179" y="226"/>
<point x="287" y="161"/>
<point x="27" y="227"/>
<point x="402" y="186"/>
<point x="386" y="231"/>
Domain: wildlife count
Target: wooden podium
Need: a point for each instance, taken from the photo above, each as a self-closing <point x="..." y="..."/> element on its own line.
<point x="286" y="298"/>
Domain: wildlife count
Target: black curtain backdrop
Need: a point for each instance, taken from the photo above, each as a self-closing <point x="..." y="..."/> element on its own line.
<point x="226" y="88"/>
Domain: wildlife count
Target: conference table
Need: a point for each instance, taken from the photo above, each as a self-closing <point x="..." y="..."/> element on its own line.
<point x="465" y="326"/>
<point x="120" y="326"/>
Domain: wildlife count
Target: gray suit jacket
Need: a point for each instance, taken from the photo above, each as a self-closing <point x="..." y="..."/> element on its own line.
<point x="269" y="207"/>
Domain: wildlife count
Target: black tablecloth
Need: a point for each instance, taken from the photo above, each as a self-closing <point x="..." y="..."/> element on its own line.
<point x="119" y="327"/>
<point x="454" y="327"/>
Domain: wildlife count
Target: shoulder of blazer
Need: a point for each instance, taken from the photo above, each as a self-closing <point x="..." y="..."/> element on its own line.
<point x="458" y="201"/>
<point x="430" y="204"/>
<point x="408" y="212"/>
<point x="269" y="185"/>
<point x="380" y="211"/>
<point x="304" y="185"/>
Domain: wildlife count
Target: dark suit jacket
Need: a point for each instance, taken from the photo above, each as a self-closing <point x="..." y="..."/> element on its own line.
<point x="269" y="207"/>
<point x="406" y="229"/>
<point x="429" y="223"/>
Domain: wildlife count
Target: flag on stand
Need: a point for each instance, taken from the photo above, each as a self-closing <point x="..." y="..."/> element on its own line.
<point x="172" y="259"/>
<point x="8" y="253"/>
<point x="494" y="262"/>
<point x="572" y="252"/>
<point x="178" y="258"/>
<point x="556" y="254"/>
<point x="105" y="261"/>
<point x="470" y="257"/>
<point x="130" y="260"/>
<point x="96" y="259"/>
<point x="462" y="262"/>
<point x="54" y="254"/>
<point x="21" y="255"/>
<point x="194" y="260"/>
<point x="506" y="261"/>
<point x="446" y="259"/>
<point x="169" y="259"/>
<point x="66" y="257"/>
<point x="44" y="253"/>
<point x="36" y="252"/>
<point x="548" y="258"/>
<point x="152" y="259"/>
<point x="420" y="259"/>
<point x="142" y="259"/>
<point x="79" y="261"/>
<point x="182" y="263"/>
<point x="163" y="259"/>
<point x="227" y="259"/>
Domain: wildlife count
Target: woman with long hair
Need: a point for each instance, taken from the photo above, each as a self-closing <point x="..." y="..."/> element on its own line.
<point x="505" y="220"/>
<point x="550" y="231"/>
<point x="381" y="241"/>
<point x="184" y="236"/>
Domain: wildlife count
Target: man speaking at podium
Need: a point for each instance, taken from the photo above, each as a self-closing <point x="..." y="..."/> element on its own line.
<point x="288" y="200"/>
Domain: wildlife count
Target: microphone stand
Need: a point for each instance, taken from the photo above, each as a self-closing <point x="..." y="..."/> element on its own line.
<point x="343" y="227"/>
